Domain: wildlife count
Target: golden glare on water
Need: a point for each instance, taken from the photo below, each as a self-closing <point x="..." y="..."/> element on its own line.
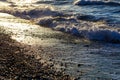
<point x="23" y="1"/>
<point x="22" y="32"/>
<point x="26" y="1"/>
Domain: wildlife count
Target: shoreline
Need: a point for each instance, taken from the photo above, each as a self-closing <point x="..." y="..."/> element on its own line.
<point x="21" y="60"/>
<point x="82" y="59"/>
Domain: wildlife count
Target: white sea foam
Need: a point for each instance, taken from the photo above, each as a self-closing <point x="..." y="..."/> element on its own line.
<point x="90" y="32"/>
<point x="95" y="2"/>
<point x="85" y="30"/>
<point x="104" y="35"/>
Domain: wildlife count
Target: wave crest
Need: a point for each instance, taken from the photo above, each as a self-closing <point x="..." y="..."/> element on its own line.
<point x="88" y="2"/>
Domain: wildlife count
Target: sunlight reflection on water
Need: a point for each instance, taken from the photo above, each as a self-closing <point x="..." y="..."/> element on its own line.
<point x="22" y="1"/>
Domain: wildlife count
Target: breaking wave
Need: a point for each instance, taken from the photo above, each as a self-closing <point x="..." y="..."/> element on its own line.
<point x="83" y="2"/>
<point x="82" y="26"/>
<point x="97" y="2"/>
<point x="105" y="35"/>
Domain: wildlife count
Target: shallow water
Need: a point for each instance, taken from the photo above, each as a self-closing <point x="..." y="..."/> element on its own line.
<point x="96" y="62"/>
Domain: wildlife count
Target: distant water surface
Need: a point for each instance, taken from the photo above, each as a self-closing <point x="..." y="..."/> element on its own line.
<point x="110" y="13"/>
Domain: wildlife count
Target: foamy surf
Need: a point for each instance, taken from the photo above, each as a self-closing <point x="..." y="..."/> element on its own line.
<point x="71" y="24"/>
<point x="95" y="2"/>
<point x="93" y="34"/>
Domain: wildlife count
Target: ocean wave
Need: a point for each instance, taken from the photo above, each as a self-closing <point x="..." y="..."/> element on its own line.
<point x="93" y="31"/>
<point x="117" y="11"/>
<point x="89" y="18"/>
<point x="54" y="2"/>
<point x="88" y="30"/>
<point x="70" y="24"/>
<point x="45" y="2"/>
<point x="105" y="35"/>
<point x="83" y="2"/>
<point x="37" y="13"/>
